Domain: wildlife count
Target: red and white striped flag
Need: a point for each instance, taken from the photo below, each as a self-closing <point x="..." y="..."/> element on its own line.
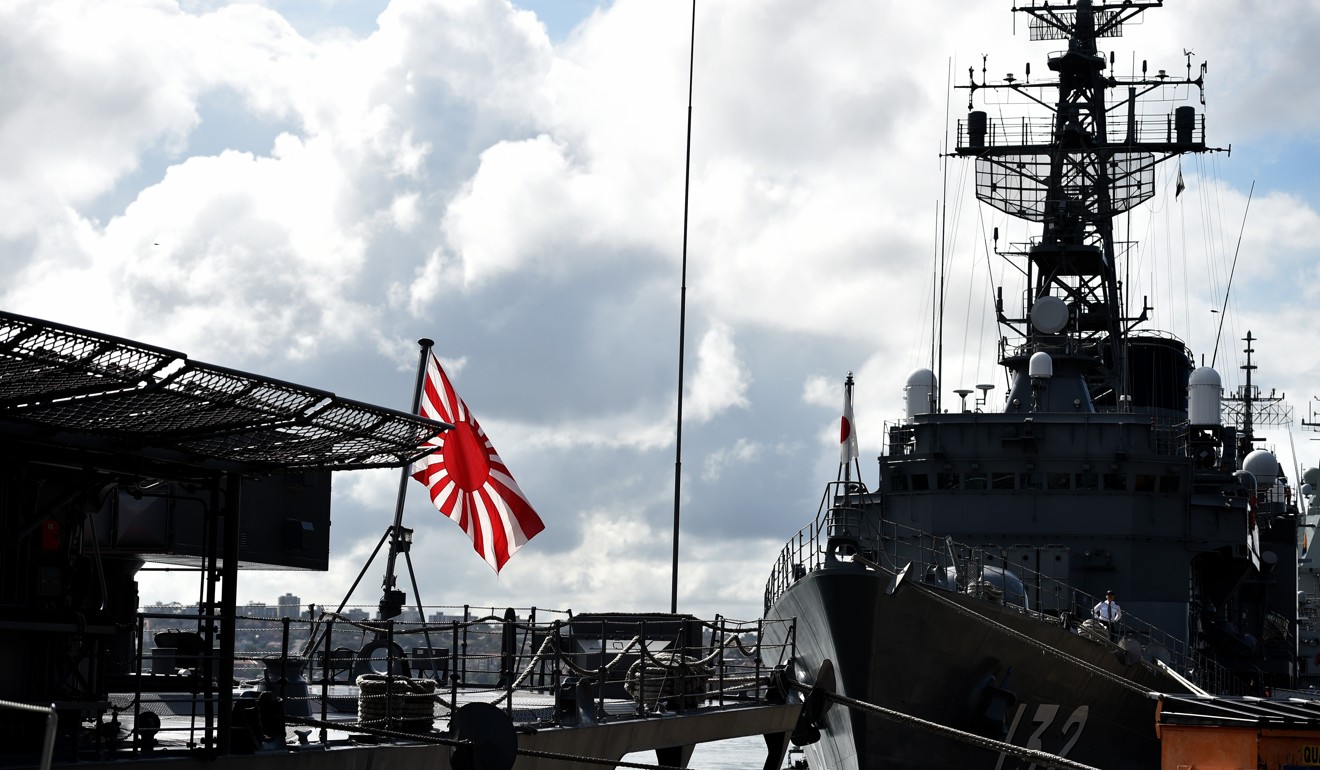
<point x="468" y="481"/>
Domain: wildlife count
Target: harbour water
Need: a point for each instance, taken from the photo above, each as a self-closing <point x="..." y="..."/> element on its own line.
<point x="733" y="754"/>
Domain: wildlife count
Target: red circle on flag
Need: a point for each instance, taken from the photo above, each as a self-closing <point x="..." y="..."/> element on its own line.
<point x="466" y="459"/>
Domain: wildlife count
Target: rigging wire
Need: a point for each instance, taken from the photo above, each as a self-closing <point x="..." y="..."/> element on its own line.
<point x="967" y="305"/>
<point x="989" y="286"/>
<point x="1186" y="285"/>
<point x="944" y="228"/>
<point x="1228" y="289"/>
<point x="935" y="274"/>
<point x="1215" y="269"/>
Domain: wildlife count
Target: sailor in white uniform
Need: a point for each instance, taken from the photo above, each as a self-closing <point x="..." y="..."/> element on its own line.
<point x="1107" y="611"/>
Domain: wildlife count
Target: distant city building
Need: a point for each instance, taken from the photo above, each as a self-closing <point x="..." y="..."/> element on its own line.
<point x="290" y="606"/>
<point x="405" y="616"/>
<point x="173" y="608"/>
<point x="260" y="610"/>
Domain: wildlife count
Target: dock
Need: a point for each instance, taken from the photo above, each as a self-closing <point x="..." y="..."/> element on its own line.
<point x="117" y="453"/>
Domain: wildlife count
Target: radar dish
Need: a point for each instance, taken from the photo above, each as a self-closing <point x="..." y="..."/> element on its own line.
<point x="1049" y="315"/>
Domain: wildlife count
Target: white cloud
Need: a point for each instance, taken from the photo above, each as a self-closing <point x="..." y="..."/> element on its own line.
<point x="509" y="216"/>
<point x="220" y="183"/>
<point x="721" y="380"/>
<point x="742" y="452"/>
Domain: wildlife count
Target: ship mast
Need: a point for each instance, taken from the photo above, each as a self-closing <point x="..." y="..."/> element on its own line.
<point x="1073" y="174"/>
<point x="1248" y="407"/>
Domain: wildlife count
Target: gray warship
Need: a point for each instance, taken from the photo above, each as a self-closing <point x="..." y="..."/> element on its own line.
<point x="954" y="594"/>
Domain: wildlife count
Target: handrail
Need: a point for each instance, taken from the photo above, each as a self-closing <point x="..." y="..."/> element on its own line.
<point x="612" y="663"/>
<point x="944" y="563"/>
<point x="52" y="722"/>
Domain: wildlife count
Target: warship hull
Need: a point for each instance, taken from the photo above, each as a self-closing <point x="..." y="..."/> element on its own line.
<point x="985" y="669"/>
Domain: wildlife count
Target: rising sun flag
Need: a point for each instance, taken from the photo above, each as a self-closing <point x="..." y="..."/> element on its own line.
<point x="467" y="480"/>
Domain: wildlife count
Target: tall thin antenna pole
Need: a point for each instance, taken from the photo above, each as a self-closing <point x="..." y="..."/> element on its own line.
<point x="682" y="314"/>
<point x="944" y="227"/>
<point x="1223" y="310"/>
<point x="396" y="531"/>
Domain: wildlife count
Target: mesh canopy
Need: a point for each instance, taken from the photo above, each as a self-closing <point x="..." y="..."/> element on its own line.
<point x="81" y="389"/>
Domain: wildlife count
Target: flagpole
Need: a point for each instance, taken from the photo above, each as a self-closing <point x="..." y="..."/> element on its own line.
<point x="848" y="417"/>
<point x="391" y="603"/>
<point x="682" y="316"/>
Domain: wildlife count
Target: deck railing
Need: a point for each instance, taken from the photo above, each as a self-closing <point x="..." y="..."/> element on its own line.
<point x="342" y="672"/>
<point x="979" y="571"/>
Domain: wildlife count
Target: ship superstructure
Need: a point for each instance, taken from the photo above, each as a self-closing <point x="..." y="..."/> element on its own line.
<point x="959" y="590"/>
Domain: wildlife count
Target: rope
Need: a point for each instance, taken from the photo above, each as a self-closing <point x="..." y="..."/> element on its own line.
<point x="1043" y="758"/>
<point x="587" y="673"/>
<point x="746" y="651"/>
<point x="355" y="727"/>
<point x="395" y="699"/>
<point x="673" y="679"/>
<point x="550" y="646"/>
<point x="537" y="658"/>
<point x="401" y="629"/>
<point x="593" y="760"/>
<point x="1094" y="669"/>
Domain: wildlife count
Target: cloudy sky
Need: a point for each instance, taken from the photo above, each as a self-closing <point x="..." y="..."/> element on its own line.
<point x="303" y="189"/>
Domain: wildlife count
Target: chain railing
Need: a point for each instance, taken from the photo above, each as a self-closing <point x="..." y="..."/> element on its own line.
<point x="544" y="668"/>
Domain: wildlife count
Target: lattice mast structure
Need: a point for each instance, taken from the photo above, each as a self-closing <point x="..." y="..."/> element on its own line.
<point x="1074" y="172"/>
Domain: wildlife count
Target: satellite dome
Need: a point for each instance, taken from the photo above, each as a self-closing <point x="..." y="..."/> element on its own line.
<point x="1263" y="465"/>
<point x="921" y="377"/>
<point x="1203" y="392"/>
<point x="1041" y="366"/>
<point x="919" y="393"/>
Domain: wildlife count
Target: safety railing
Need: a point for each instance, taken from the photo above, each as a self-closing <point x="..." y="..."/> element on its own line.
<point x="48" y="738"/>
<point x="1168" y="437"/>
<point x="338" y="673"/>
<point x="988" y="573"/>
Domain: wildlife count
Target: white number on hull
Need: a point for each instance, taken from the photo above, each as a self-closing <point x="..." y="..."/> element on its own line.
<point x="1044" y="719"/>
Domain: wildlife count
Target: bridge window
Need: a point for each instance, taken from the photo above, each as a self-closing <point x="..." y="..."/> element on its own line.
<point x="1058" y="481"/>
<point x="1115" y="482"/>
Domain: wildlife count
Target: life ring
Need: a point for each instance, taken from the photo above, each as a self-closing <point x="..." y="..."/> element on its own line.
<point x="368" y="662"/>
